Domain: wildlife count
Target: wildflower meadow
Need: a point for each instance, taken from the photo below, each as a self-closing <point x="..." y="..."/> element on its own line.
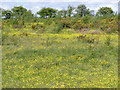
<point x="59" y="50"/>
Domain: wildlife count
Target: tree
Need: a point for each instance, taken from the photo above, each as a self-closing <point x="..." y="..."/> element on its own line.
<point x="42" y="12"/>
<point x="47" y="12"/>
<point x="82" y="10"/>
<point x="59" y="14"/>
<point x="7" y="14"/>
<point x="64" y="13"/>
<point x="91" y="12"/>
<point x="27" y="16"/>
<point x="69" y="12"/>
<point x="104" y="11"/>
<point x="18" y="12"/>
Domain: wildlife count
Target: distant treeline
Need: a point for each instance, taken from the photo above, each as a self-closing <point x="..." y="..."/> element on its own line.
<point x="79" y="11"/>
<point x="55" y="20"/>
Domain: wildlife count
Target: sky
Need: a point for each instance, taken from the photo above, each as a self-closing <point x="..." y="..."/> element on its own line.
<point x="36" y="5"/>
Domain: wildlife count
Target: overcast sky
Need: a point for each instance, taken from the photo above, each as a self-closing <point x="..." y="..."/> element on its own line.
<point x="36" y="5"/>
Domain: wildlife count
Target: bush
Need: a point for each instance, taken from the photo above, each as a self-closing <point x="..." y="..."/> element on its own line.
<point x="17" y="24"/>
<point x="86" y="19"/>
<point x="54" y="28"/>
<point x="38" y="26"/>
<point x="109" y="26"/>
<point x="95" y="22"/>
<point x="81" y="24"/>
<point x="48" y="21"/>
<point x="65" y="23"/>
<point x="57" y="28"/>
<point x="73" y="21"/>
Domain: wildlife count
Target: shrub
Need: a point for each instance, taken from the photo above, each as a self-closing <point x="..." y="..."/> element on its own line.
<point x="95" y="22"/>
<point x="86" y="19"/>
<point x="65" y="23"/>
<point x="73" y="21"/>
<point x="38" y="26"/>
<point x="54" y="28"/>
<point x="111" y="26"/>
<point x="81" y="25"/>
<point x="48" y="21"/>
<point x="50" y="29"/>
<point x="77" y="25"/>
<point x="17" y="24"/>
<point x="57" y="28"/>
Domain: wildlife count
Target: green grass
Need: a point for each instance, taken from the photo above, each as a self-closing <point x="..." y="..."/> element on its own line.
<point x="59" y="60"/>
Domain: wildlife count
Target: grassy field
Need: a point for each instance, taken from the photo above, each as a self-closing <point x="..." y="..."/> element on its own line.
<point x="38" y="60"/>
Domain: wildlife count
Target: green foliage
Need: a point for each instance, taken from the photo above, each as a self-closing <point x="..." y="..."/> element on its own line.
<point x="17" y="24"/>
<point x="7" y="14"/>
<point x="82" y="11"/>
<point x="54" y="28"/>
<point x="47" y="21"/>
<point x="61" y="13"/>
<point x="109" y="25"/>
<point x="47" y="12"/>
<point x="35" y="19"/>
<point x="65" y="23"/>
<point x="95" y="22"/>
<point x="86" y="19"/>
<point x="105" y="11"/>
<point x="38" y="27"/>
<point x="69" y="12"/>
<point x="64" y="13"/>
<point x="108" y="40"/>
<point x="27" y="16"/>
<point x="57" y="28"/>
<point x="118" y="16"/>
<point x="18" y="12"/>
<point x="18" y="16"/>
<point x="82" y="23"/>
